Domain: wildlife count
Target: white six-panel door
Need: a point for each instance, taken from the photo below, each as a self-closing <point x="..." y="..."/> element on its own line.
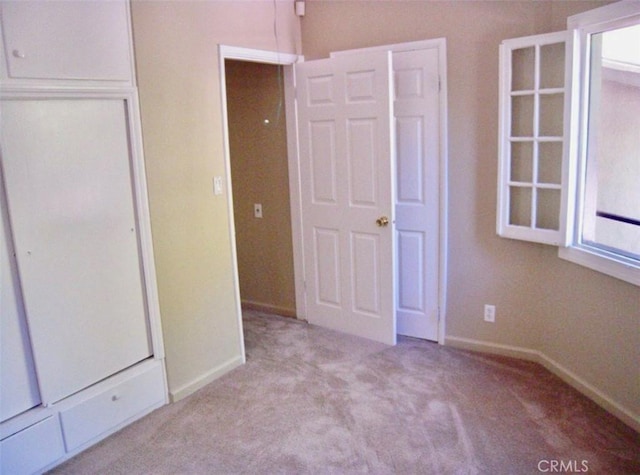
<point x="417" y="114"/>
<point x="418" y="117"/>
<point x="347" y="182"/>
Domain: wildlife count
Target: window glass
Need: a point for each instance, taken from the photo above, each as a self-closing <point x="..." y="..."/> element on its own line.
<point x="611" y="219"/>
<point x="552" y="65"/>
<point x="523" y="60"/>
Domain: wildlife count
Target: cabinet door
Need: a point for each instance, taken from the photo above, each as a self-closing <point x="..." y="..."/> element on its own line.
<point x="19" y="388"/>
<point x="71" y="204"/>
<point x="71" y="40"/>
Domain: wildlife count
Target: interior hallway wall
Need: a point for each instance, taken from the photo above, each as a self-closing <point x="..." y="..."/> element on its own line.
<point x="259" y="170"/>
<point x="176" y="46"/>
<point x="587" y="322"/>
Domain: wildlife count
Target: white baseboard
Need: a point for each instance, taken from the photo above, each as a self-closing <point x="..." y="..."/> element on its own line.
<point x="569" y="377"/>
<point x="493" y="348"/>
<point x="268" y="308"/>
<point x="202" y="381"/>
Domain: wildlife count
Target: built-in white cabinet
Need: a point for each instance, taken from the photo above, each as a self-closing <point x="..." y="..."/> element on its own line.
<point x="66" y="164"/>
<point x="82" y="351"/>
<point x="74" y="41"/>
<point x="32" y="448"/>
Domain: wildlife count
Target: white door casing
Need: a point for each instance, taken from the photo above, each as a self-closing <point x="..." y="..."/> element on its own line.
<point x="347" y="181"/>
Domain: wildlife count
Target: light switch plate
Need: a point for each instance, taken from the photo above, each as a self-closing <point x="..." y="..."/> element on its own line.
<point x="217" y="185"/>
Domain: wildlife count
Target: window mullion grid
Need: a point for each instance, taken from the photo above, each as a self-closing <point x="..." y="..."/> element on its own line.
<point x="508" y="182"/>
<point x="536" y="138"/>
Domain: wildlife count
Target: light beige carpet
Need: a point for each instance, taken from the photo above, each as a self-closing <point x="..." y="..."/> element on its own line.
<point x="312" y="401"/>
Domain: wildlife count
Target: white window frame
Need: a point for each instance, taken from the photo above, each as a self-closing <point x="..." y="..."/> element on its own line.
<point x="582" y="26"/>
<point x="560" y="236"/>
<point x="571" y="210"/>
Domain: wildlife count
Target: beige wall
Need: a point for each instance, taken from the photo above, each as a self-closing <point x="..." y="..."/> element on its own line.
<point x="259" y="170"/>
<point x="177" y="66"/>
<point x="585" y="321"/>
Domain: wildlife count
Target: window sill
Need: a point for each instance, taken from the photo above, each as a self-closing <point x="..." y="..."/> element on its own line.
<point x="601" y="262"/>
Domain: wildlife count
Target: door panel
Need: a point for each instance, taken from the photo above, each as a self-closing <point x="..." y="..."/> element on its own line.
<point x="347" y="184"/>
<point x="19" y="388"/>
<point x="416" y="109"/>
<point x="327" y="255"/>
<point x="363" y="177"/>
<point x="409" y="145"/>
<point x="322" y="136"/>
<point x="364" y="249"/>
<point x="411" y="271"/>
<point x="73" y="218"/>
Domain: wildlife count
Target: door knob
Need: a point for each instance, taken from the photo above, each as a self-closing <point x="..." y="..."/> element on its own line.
<point x="382" y="221"/>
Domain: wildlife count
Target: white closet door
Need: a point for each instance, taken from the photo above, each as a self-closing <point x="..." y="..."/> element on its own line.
<point x="19" y="388"/>
<point x="346" y="172"/>
<point x="417" y="114"/>
<point x="71" y="204"/>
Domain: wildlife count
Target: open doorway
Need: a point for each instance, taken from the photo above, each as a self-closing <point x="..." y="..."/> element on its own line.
<point x="260" y="183"/>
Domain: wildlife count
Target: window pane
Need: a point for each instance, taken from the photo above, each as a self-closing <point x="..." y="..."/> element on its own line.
<point x="612" y="196"/>
<point x="550" y="162"/>
<point x="609" y="234"/>
<point x="522" y="116"/>
<point x="520" y="206"/>
<point x="552" y="66"/>
<point x="522" y="161"/>
<point x="522" y="69"/>
<point x="551" y="115"/>
<point x="547" y="209"/>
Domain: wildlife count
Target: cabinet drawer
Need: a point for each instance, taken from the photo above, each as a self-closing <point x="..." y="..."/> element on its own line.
<point x="33" y="448"/>
<point x="112" y="405"/>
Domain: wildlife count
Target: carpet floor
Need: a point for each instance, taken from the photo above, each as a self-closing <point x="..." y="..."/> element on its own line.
<point x="313" y="401"/>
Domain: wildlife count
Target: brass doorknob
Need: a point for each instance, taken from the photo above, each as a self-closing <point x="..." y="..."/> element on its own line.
<point x="382" y="221"/>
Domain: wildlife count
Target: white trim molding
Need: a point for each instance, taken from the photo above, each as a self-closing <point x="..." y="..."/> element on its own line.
<point x="572" y="379"/>
<point x="268" y="57"/>
<point x="210" y="376"/>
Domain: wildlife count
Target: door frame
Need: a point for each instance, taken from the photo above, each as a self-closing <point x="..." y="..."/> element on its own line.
<point x="440" y="44"/>
<point x="286" y="60"/>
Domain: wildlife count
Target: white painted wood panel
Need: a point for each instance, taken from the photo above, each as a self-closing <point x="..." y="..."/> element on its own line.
<point x="32" y="449"/>
<point x="327" y="255"/>
<point x="71" y="40"/>
<point x="417" y="118"/>
<point x="347" y="184"/>
<point x="71" y="204"/>
<point x="421" y="213"/>
<point x="19" y="387"/>
<point x="110" y="405"/>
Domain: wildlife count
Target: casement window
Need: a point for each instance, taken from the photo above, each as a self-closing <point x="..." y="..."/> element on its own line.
<point x="569" y="140"/>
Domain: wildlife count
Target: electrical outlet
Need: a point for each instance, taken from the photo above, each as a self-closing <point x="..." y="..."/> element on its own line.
<point x="257" y="210"/>
<point x="490" y="313"/>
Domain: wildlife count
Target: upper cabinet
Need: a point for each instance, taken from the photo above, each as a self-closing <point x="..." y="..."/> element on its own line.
<point x="66" y="41"/>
